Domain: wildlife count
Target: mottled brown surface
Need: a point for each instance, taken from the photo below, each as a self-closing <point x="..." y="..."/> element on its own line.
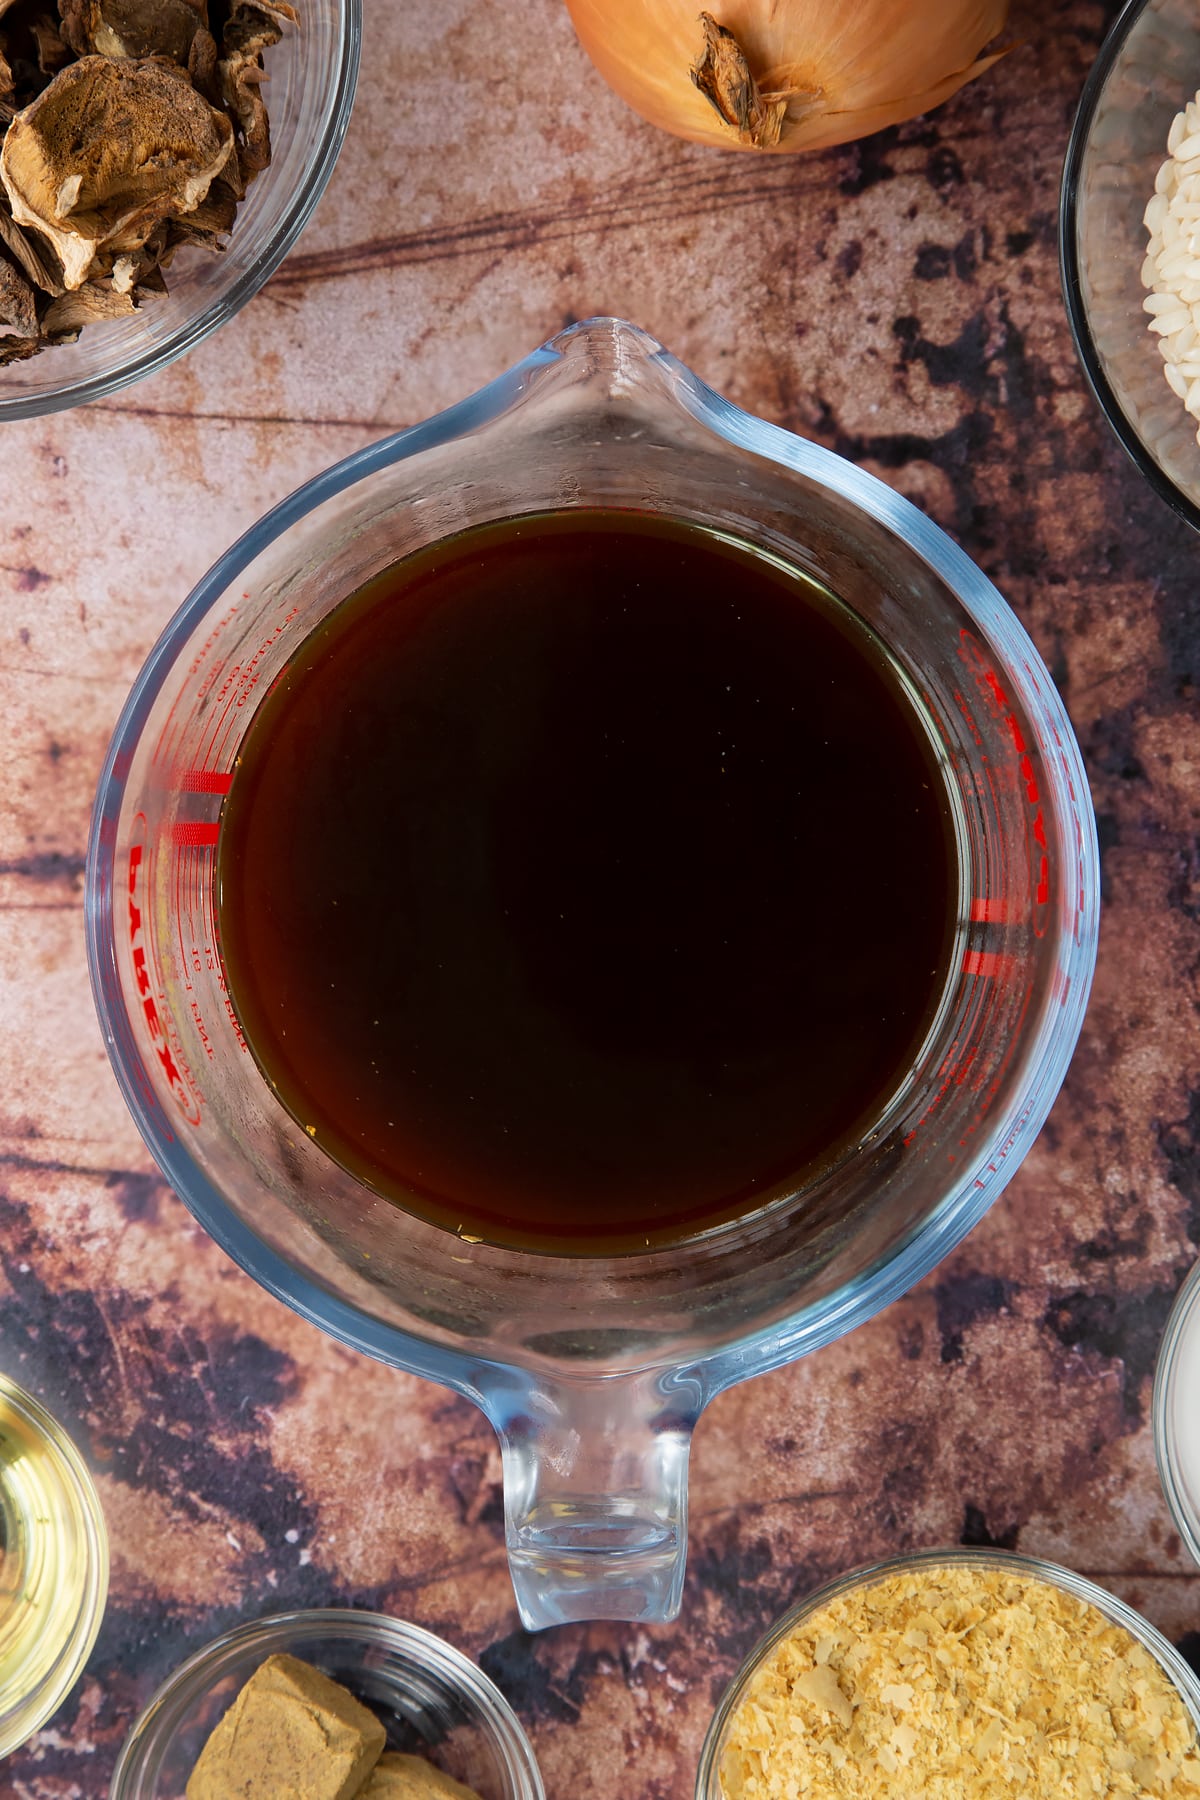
<point x="898" y="301"/>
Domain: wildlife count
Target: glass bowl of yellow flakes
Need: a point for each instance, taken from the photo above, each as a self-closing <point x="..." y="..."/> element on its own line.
<point x="957" y="1675"/>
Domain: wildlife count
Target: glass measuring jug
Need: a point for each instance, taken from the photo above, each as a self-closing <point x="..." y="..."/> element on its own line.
<point x="594" y="1369"/>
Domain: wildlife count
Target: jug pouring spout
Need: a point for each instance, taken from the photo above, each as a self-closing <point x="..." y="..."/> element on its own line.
<point x="595" y="1493"/>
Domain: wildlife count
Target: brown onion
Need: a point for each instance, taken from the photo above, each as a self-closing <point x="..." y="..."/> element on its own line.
<point x="786" y="74"/>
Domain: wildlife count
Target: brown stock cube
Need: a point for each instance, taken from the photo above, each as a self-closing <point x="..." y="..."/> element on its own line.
<point x="291" y="1734"/>
<point x="397" y="1777"/>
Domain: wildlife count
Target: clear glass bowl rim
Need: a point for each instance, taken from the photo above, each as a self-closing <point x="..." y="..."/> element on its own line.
<point x="293" y="218"/>
<point x="1068" y="258"/>
<point x="34" y="1709"/>
<point x="1180" y="1317"/>
<point x="156" y="1724"/>
<point x="1036" y="1568"/>
<point x="981" y="1180"/>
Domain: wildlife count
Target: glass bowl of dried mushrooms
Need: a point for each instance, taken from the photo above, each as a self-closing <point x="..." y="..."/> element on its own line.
<point x="972" y="1672"/>
<point x="158" y="159"/>
<point x="1129" y="241"/>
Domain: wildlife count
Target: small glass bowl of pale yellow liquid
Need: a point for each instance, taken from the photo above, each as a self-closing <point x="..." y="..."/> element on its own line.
<point x="53" y="1565"/>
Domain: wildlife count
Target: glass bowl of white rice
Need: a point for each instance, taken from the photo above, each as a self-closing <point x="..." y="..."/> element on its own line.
<point x="1177" y="1412"/>
<point x="1129" y="241"/>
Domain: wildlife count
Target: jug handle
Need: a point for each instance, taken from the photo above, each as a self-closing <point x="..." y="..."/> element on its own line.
<point x="595" y="1492"/>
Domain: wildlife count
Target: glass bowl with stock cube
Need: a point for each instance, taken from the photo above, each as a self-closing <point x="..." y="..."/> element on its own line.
<point x="332" y="1703"/>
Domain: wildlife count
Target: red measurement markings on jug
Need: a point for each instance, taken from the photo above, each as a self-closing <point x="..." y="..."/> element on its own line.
<point x="987" y="963"/>
<point x="237" y="684"/>
<point x="204" y="652"/>
<point x="957" y="1069"/>
<point x="960" y="1068"/>
<point x="204" y="781"/>
<point x="215" y="693"/>
<point x="991" y="972"/>
<point x="192" y="844"/>
<point x="154" y="1013"/>
<point x="1041" y="857"/>
<point x="193" y="756"/>
<point x="1077" y="843"/>
<point x="995" y="914"/>
<point x="199" y="963"/>
<point x="189" y="834"/>
<point x="189" y="697"/>
<point x="989" y="688"/>
<point x="197" y="937"/>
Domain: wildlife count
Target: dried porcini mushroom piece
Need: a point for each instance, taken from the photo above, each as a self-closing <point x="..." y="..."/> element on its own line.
<point x="133" y="28"/>
<point x="111" y="148"/>
<point x="202" y="64"/>
<point x="130" y="271"/>
<point x="251" y="27"/>
<point x="42" y="271"/>
<point x="18" y="349"/>
<point x="255" y="24"/>
<point x="80" y="23"/>
<point x="65" y="317"/>
<point x="6" y="29"/>
<point x="52" y="53"/>
<point x="209" y="223"/>
<point x="240" y="80"/>
<point x="18" y="310"/>
<point x="32" y="49"/>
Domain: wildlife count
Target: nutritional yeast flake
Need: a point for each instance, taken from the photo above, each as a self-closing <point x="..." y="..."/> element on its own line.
<point x="960" y="1683"/>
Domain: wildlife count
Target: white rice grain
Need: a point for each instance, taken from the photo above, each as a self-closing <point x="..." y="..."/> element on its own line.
<point x="1171" y="269"/>
<point x="1173" y="266"/>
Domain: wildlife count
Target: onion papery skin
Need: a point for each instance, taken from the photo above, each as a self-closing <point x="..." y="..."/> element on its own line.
<point x="856" y="66"/>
